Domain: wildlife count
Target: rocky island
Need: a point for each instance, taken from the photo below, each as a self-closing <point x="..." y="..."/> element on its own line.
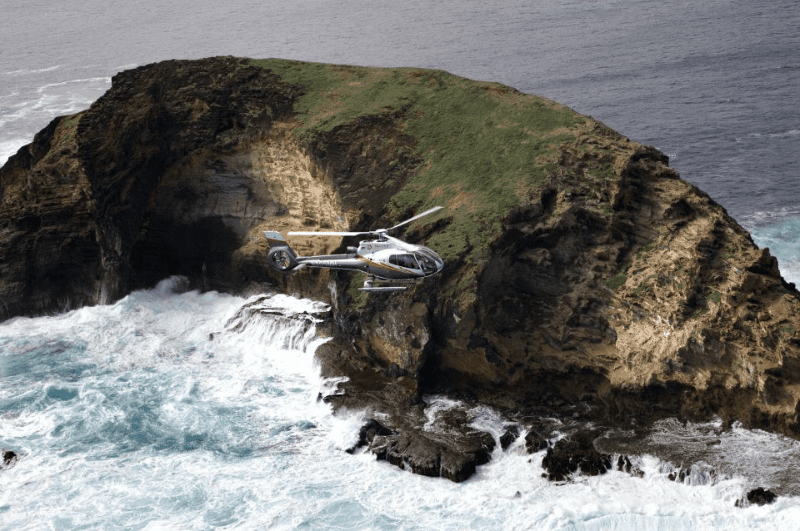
<point x="583" y="279"/>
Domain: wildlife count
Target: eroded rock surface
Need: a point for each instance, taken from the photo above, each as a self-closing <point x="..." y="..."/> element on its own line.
<point x="174" y="171"/>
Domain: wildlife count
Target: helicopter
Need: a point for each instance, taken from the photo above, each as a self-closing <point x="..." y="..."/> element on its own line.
<point x="386" y="259"/>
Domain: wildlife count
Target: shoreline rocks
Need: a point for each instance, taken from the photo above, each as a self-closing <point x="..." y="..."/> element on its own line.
<point x="575" y="453"/>
<point x="761" y="496"/>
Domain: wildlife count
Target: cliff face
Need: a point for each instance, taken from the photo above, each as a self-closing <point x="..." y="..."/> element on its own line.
<point x="170" y="172"/>
<point x="582" y="276"/>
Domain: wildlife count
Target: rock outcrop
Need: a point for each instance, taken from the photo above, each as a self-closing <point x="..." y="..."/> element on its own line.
<point x="761" y="496"/>
<point x="582" y="278"/>
<point x="575" y="453"/>
<point x="9" y="459"/>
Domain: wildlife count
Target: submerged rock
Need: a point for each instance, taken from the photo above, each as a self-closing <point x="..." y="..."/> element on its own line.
<point x="624" y="465"/>
<point x="367" y="434"/>
<point x="758" y="496"/>
<point x="510" y="435"/>
<point x="761" y="496"/>
<point x="9" y="458"/>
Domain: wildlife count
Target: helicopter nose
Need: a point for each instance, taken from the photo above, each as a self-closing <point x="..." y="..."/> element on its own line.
<point x="431" y="262"/>
<point x="439" y="263"/>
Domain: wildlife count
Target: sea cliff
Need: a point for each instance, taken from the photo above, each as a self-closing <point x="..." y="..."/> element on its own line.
<point x="583" y="278"/>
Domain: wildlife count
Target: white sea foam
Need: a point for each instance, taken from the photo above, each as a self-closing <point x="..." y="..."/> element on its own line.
<point x="780" y="232"/>
<point x="8" y="148"/>
<point x="785" y="134"/>
<point x="54" y="99"/>
<point x="27" y="72"/>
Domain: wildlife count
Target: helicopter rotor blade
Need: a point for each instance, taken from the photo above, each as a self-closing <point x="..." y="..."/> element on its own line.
<point x="409" y="220"/>
<point x="327" y="233"/>
<point x="362" y="233"/>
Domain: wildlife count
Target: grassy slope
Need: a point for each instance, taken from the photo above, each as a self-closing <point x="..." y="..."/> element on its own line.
<point x="486" y="147"/>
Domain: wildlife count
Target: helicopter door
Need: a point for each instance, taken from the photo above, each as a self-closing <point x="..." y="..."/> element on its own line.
<point x="404" y="260"/>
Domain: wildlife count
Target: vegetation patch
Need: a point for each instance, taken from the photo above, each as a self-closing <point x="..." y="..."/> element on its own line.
<point x="69" y="126"/>
<point x="604" y="209"/>
<point x="358" y="298"/>
<point x="641" y="253"/>
<point x="714" y="297"/>
<point x="605" y="172"/>
<point x="617" y="281"/>
<point x="643" y="286"/>
<point x="63" y="135"/>
<point x="729" y="252"/>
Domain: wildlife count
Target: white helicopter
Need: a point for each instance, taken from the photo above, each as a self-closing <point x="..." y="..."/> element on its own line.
<point x="386" y="258"/>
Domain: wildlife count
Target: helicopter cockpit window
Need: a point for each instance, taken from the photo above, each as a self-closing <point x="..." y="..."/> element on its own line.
<point x="404" y="260"/>
<point x="428" y="263"/>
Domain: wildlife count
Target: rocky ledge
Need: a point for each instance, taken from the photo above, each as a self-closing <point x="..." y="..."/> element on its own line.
<point x="583" y="278"/>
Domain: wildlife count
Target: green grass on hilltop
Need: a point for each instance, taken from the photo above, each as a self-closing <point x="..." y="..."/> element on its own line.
<point x="486" y="147"/>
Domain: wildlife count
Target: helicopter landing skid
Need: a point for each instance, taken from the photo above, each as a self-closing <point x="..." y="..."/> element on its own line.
<point x="369" y="286"/>
<point x="384" y="288"/>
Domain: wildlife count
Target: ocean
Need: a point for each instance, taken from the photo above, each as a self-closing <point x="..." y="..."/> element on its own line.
<point x="174" y="410"/>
